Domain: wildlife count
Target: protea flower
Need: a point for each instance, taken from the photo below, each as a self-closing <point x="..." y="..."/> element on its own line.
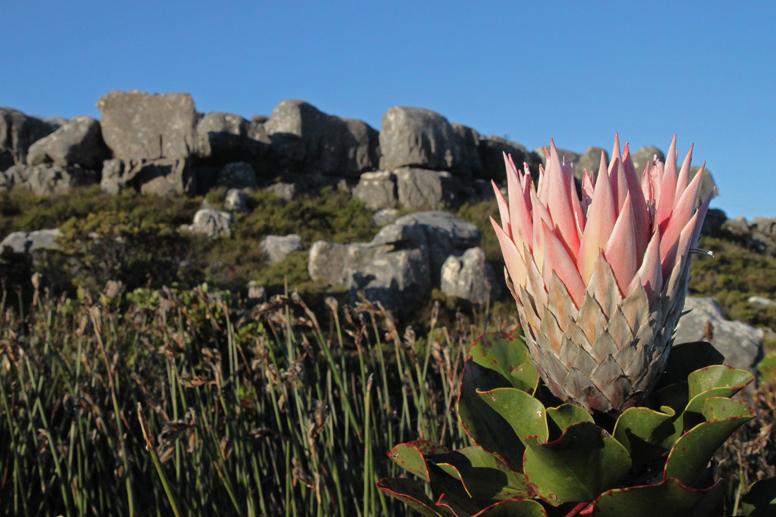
<point x="600" y="281"/>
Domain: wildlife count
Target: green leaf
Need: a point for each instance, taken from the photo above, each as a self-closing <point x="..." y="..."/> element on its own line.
<point x="666" y="499"/>
<point x="692" y="452"/>
<point x="525" y="415"/>
<point x="578" y="466"/>
<point x="506" y="354"/>
<point x="482" y="423"/>
<point x="409" y="456"/>
<point x="721" y="376"/>
<point x="715" y="381"/>
<point x="525" y="377"/>
<point x="448" y="490"/>
<point x="564" y="416"/>
<point x="484" y="475"/>
<point x="687" y="358"/>
<point x="514" y="508"/>
<point x="646" y="434"/>
<point x="760" y="498"/>
<point x="411" y="493"/>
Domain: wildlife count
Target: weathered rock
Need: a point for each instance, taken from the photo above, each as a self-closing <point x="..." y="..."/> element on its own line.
<point x="161" y="177"/>
<point x="470" y="278"/>
<point x="285" y="191"/>
<point x="236" y="200"/>
<point x="78" y="142"/>
<point x="17" y="133"/>
<point x="140" y="126"/>
<point x="385" y="216"/>
<point x="712" y="225"/>
<point x="644" y="156"/>
<point x="492" y="149"/>
<point x="276" y="247"/>
<point x="737" y="226"/>
<point x="590" y="160"/>
<point x="377" y="190"/>
<point x="440" y="233"/>
<point x="224" y="137"/>
<point x="420" y="188"/>
<point x="237" y="175"/>
<point x="23" y="242"/>
<point x="210" y="222"/>
<point x="335" y="263"/>
<point x="766" y="225"/>
<point x="307" y="140"/>
<point x="761" y="302"/>
<point x="470" y="148"/>
<point x="49" y="178"/>
<point x="55" y="122"/>
<point x="741" y="344"/>
<point x="417" y="137"/>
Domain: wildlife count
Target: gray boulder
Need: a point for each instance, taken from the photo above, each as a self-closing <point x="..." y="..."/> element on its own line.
<point x="420" y="188"/>
<point x="23" y="242"/>
<point x="470" y="148"/>
<point x="276" y="247"/>
<point x="78" y="142"/>
<point x="225" y="137"/>
<point x="55" y="122"/>
<point x="492" y="149"/>
<point x="761" y="302"/>
<point x="417" y="137"/>
<point x="17" y="133"/>
<point x="163" y="177"/>
<point x="140" y="126"/>
<point x="377" y="190"/>
<point x="237" y="175"/>
<point x="741" y="344"/>
<point x="49" y="178"/>
<point x="285" y="191"/>
<point x="385" y="216"/>
<point x="236" y="201"/>
<point x="470" y="278"/>
<point x="211" y="222"/>
<point x="766" y="225"/>
<point x="305" y="139"/>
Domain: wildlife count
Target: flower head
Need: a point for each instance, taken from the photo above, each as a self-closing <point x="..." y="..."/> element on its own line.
<point x="600" y="279"/>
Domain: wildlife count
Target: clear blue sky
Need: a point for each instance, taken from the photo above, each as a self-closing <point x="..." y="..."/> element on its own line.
<point x="575" y="71"/>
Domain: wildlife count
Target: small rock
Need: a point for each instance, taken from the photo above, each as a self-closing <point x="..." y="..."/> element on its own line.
<point x="212" y="223"/>
<point x="285" y="191"/>
<point x="385" y="216"/>
<point x="762" y="302"/>
<point x="236" y="200"/>
<point x="256" y="292"/>
<point x="23" y="242"/>
<point x="276" y="247"/>
<point x="470" y="277"/>
<point x="377" y="190"/>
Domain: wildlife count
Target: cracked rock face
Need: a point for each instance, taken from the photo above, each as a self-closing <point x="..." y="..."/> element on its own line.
<point x="77" y="142"/>
<point x="137" y="125"/>
<point x="17" y="133"/>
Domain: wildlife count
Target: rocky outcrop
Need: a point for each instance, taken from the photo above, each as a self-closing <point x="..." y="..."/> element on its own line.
<point x="17" y="133"/>
<point x="48" y="178"/>
<point x="276" y="247"/>
<point x="304" y="139"/>
<point x="377" y="190"/>
<point x="417" y="137"/>
<point x="237" y="175"/>
<point x="140" y="126"/>
<point x="78" y="142"/>
<point x="161" y="177"/>
<point x="224" y="137"/>
<point x="470" y="278"/>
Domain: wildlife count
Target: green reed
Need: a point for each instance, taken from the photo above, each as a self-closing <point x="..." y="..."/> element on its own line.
<point x="249" y="410"/>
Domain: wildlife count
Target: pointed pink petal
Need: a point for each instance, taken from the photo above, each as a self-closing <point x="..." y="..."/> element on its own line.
<point x="557" y="260"/>
<point x="696" y="234"/>
<point x="618" y="182"/>
<point x="665" y="201"/>
<point x="682" y="213"/>
<point x="684" y="175"/>
<point x="539" y="244"/>
<point x="640" y="213"/>
<point x="519" y="217"/>
<point x="503" y="210"/>
<point x="600" y="223"/>
<point x="576" y="206"/>
<point x="650" y="274"/>
<point x="620" y="251"/>
<point x="559" y="206"/>
<point x="512" y="258"/>
<point x="527" y="184"/>
<point x="587" y="186"/>
<point x="646" y="186"/>
<point x="616" y="148"/>
<point x="541" y="189"/>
